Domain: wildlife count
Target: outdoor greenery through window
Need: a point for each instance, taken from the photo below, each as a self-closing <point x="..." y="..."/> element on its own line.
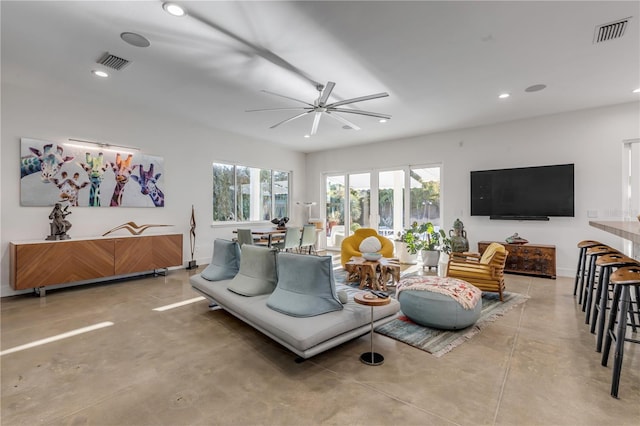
<point x="242" y="194"/>
<point x="386" y="200"/>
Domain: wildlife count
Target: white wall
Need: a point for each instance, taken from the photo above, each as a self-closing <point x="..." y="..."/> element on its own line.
<point x="188" y="151"/>
<point x="592" y="139"/>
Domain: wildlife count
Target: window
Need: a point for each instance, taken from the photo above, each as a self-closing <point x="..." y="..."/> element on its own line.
<point x="424" y="197"/>
<point x="243" y="194"/>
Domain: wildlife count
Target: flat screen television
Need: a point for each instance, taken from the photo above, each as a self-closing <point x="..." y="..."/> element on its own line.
<point x="526" y="193"/>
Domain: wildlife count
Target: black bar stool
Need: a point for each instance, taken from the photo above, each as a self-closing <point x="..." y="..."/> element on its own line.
<point x="587" y="286"/>
<point x="607" y="263"/>
<point x="582" y="260"/>
<point x="623" y="279"/>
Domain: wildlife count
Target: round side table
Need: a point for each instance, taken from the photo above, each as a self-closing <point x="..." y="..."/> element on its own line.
<point x="370" y="299"/>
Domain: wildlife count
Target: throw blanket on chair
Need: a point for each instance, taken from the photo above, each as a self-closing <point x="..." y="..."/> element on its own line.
<point x="461" y="291"/>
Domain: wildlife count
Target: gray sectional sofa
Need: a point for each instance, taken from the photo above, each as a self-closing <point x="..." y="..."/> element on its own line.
<point x="292" y="298"/>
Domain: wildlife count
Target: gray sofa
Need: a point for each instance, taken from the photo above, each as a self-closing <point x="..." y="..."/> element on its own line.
<point x="298" y="305"/>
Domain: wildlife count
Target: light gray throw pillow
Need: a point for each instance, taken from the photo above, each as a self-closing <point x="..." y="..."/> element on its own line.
<point x="305" y="286"/>
<point x="225" y="262"/>
<point x="257" y="273"/>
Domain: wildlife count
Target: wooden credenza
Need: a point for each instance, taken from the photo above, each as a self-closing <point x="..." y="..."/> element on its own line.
<point x="39" y="264"/>
<point x="529" y="259"/>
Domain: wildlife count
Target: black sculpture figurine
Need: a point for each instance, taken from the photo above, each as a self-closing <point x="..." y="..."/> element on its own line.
<point x="59" y="225"/>
<point x="280" y="223"/>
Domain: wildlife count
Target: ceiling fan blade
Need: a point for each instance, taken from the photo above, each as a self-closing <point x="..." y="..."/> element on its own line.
<point x="316" y="122"/>
<point x="357" y="111"/>
<point x="287" y="97"/>
<point x="360" y="99"/>
<point x="290" y="119"/>
<point x="326" y="93"/>
<point x="277" y="109"/>
<point x="344" y="121"/>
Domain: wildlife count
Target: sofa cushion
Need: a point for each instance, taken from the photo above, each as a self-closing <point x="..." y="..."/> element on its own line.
<point x="370" y="245"/>
<point x="257" y="274"/>
<point x="225" y="261"/>
<point x="305" y="286"/>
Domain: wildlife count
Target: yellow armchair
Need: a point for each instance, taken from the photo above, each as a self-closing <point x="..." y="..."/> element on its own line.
<point x="351" y="245"/>
<point x="485" y="272"/>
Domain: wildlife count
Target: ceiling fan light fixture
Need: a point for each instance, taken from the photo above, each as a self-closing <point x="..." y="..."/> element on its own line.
<point x="321" y="106"/>
<point x="173" y="9"/>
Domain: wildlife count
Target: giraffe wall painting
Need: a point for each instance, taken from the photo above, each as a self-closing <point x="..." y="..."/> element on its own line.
<point x="88" y="176"/>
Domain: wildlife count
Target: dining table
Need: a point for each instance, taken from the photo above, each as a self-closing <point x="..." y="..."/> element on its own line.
<point x="269" y="234"/>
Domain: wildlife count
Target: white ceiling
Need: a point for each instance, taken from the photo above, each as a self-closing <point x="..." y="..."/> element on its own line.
<point x="443" y="63"/>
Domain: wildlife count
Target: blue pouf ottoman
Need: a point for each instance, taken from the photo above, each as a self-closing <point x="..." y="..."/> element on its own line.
<point x="443" y="303"/>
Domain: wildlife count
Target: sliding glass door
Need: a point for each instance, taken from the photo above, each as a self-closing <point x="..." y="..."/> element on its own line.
<point x="334" y="202"/>
<point x="402" y="196"/>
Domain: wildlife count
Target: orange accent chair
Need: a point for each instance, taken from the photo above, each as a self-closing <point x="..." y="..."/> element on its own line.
<point x="351" y="245"/>
<point x="485" y="272"/>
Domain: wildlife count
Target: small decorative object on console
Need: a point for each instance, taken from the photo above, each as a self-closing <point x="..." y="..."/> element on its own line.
<point x="132" y="227"/>
<point x="516" y="239"/>
<point x="59" y="225"/>
<point x="280" y="222"/>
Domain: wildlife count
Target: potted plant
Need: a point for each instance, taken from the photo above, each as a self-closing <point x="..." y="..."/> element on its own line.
<point x="409" y="243"/>
<point x="434" y="242"/>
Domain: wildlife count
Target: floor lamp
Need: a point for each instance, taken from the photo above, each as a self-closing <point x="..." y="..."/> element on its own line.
<point x="308" y="205"/>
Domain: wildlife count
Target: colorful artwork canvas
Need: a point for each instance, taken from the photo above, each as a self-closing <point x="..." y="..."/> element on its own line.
<point x="87" y="176"/>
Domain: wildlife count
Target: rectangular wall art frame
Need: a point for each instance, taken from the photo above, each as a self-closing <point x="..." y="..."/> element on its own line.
<point x="52" y="172"/>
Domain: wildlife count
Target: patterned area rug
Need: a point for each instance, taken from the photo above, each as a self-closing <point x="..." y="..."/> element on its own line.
<point x="436" y="342"/>
<point x="439" y="342"/>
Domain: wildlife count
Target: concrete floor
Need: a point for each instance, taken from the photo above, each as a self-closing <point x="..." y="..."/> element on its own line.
<point x="193" y="366"/>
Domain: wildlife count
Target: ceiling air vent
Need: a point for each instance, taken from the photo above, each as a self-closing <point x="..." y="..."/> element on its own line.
<point x="113" y="61"/>
<point x="611" y="30"/>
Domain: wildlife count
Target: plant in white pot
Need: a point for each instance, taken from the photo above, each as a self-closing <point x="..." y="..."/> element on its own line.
<point x="408" y="244"/>
<point x="433" y="244"/>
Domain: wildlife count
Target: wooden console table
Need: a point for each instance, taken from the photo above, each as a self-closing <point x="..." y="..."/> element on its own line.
<point x="528" y="259"/>
<point x="37" y="264"/>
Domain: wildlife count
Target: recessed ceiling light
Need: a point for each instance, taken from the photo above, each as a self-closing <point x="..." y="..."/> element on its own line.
<point x="307" y="136"/>
<point x="173" y="9"/>
<point x="504" y="95"/>
<point x="637" y="90"/>
<point x="135" y="39"/>
<point x="99" y="73"/>
<point x="382" y="120"/>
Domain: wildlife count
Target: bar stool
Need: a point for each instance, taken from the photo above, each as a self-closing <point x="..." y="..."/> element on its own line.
<point x="623" y="279"/>
<point x="582" y="260"/>
<point x="600" y="305"/>
<point x="586" y="288"/>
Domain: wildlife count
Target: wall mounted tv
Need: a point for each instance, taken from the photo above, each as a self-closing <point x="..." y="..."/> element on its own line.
<point x="526" y="193"/>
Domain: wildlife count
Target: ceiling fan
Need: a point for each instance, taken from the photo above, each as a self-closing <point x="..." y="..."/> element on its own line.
<point x="320" y="106"/>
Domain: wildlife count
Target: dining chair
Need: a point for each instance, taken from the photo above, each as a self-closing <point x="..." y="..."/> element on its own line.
<point x="308" y="239"/>
<point x="245" y="237"/>
<point x="291" y="240"/>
